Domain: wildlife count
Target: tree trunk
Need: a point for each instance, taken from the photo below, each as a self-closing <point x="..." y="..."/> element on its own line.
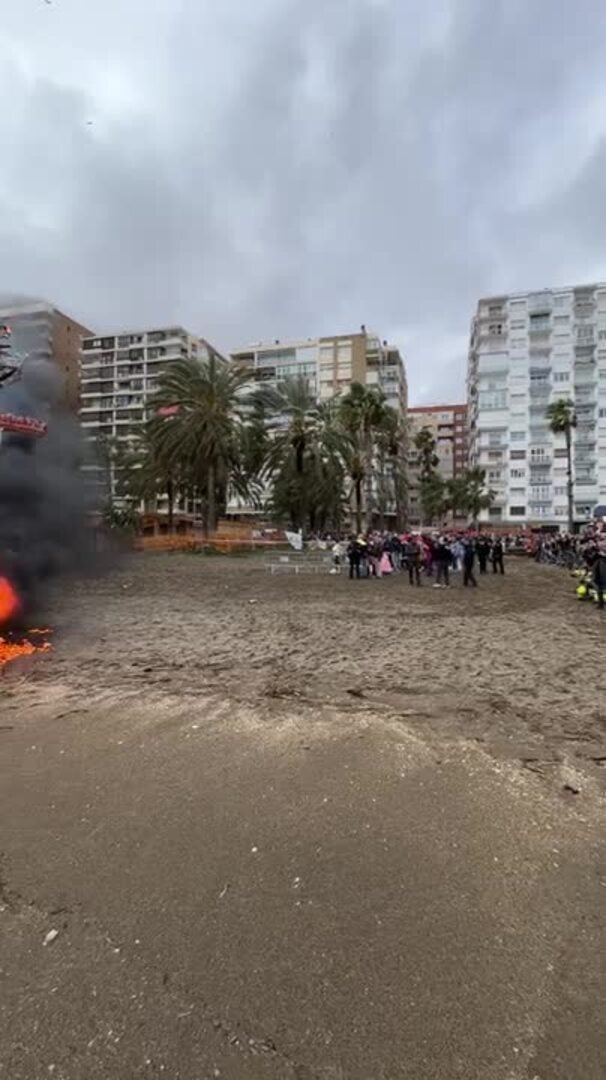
<point x="211" y="523"/>
<point x="569" y="488"/>
<point x="369" y="488"/>
<point x="358" y="490"/>
<point x="170" y="494"/>
<point x="382" y="492"/>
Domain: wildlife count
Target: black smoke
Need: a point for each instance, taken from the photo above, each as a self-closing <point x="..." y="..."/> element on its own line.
<point x="45" y="508"/>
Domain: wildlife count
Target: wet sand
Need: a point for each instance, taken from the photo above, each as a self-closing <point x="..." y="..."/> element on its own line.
<point x="301" y="827"/>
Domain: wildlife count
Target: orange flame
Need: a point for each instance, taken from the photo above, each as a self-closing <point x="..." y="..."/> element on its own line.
<point x="9" y="601"/>
<point x="12" y="650"/>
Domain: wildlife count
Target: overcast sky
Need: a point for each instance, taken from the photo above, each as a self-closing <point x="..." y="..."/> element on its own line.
<point x="257" y="169"/>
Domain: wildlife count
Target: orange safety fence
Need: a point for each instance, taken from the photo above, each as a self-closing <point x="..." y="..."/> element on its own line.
<point x="193" y="542"/>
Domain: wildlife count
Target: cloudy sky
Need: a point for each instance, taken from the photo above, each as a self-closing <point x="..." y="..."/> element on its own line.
<point x="277" y="168"/>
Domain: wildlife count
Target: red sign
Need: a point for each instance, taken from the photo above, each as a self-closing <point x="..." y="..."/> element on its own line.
<point x="25" y="425"/>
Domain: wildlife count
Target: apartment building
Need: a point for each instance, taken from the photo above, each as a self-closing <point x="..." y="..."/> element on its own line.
<point x="448" y="426"/>
<point x="120" y="371"/>
<point x="331" y="364"/>
<point x="527" y="350"/>
<point x="40" y="331"/>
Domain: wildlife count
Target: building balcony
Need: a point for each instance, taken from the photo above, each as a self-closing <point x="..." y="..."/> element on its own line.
<point x="540" y="304"/>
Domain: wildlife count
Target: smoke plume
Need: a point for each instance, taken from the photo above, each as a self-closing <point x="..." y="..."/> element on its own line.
<point x="43" y="499"/>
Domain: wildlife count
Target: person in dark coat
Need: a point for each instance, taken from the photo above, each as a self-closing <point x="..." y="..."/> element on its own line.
<point x="469" y="555"/>
<point x="443" y="558"/>
<point x="483" y="551"/>
<point x="354" y="554"/>
<point x="496" y="556"/>
<point x="599" y="574"/>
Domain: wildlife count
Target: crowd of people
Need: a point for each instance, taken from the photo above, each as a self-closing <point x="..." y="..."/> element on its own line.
<point x="567" y="549"/>
<point x="584" y="554"/>
<point x="423" y="556"/>
<point x="433" y="557"/>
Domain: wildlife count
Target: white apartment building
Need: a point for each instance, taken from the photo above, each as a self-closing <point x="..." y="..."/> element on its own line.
<point x="331" y="364"/>
<point x="119" y="372"/>
<point x="527" y="350"/>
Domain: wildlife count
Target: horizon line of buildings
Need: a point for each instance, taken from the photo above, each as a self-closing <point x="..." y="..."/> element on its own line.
<point x="526" y="350"/>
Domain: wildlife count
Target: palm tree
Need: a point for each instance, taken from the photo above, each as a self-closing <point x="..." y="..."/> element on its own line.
<point x="468" y="493"/>
<point x="294" y="419"/>
<point x="432" y="492"/>
<point x="425" y="445"/>
<point x="304" y="454"/>
<point x="389" y="439"/>
<point x="198" y="410"/>
<point x="562" y="419"/>
<point x="362" y="414"/>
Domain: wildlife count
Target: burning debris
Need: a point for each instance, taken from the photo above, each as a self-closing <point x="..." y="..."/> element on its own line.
<point x="14" y="650"/>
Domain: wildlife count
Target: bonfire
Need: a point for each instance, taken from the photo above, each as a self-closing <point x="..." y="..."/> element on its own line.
<point x="13" y="646"/>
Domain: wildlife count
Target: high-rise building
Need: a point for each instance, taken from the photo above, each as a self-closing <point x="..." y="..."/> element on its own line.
<point x="448" y="426"/>
<point x="526" y="351"/>
<point x="40" y="331"/>
<point x="332" y="364"/>
<point x="119" y="373"/>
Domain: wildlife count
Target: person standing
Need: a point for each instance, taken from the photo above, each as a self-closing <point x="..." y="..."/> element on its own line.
<point x="442" y="559"/>
<point x="599" y="574"/>
<point x="337" y="555"/>
<point x="483" y="551"/>
<point x="413" y="555"/>
<point x="354" y="554"/>
<point x="469" y="556"/>
<point x="497" y="556"/>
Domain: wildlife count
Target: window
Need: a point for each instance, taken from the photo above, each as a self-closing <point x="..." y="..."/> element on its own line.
<point x="561" y="376"/>
<point x="602" y="414"/>
<point x="517" y="511"/>
<point x="601" y="335"/>
<point x="517" y="491"/>
<point x="518" y="324"/>
<point x="560" y="301"/>
<point x="517" y="455"/>
<point x="517" y="474"/>
<point x="584" y="333"/>
<point x="495" y="474"/>
<point x="495" y="328"/>
<point x="561" y="320"/>
<point x="493" y="399"/>
<point x="559" y="453"/>
<point x="559" y="491"/>
<point x="518" y="436"/>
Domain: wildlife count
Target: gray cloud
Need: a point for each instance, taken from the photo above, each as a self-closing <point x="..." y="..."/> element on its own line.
<point x="292" y="167"/>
